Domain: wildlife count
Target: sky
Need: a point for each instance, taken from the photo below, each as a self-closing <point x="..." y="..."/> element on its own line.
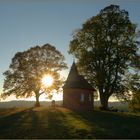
<point x="27" y="23"/>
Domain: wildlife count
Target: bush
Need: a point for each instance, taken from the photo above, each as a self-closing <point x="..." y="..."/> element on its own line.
<point x="134" y="104"/>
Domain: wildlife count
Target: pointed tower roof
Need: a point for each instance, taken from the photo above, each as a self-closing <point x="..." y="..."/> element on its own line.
<point x="75" y="80"/>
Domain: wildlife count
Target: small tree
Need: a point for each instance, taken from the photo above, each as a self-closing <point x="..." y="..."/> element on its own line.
<point x="134" y="85"/>
<point x="104" y="48"/>
<point x="27" y="69"/>
<point x="134" y="104"/>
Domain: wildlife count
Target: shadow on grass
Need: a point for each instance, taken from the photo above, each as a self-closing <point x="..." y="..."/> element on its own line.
<point x="11" y="125"/>
<point x="62" y="123"/>
<point x="112" y="125"/>
<point x="31" y="123"/>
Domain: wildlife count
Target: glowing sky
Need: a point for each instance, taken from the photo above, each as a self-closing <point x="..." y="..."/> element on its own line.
<point x="26" y="23"/>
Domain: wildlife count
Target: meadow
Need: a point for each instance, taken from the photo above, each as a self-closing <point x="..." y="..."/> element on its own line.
<point x="62" y="123"/>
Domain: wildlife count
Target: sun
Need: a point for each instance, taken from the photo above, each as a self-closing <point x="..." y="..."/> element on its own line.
<point x="47" y="80"/>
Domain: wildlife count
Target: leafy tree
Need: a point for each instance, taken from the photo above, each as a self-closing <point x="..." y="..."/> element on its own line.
<point x="134" y="85"/>
<point x="27" y="69"/>
<point x="104" y="48"/>
<point x="134" y="104"/>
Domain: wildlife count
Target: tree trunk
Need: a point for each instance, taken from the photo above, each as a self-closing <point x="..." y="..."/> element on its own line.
<point x="37" y="104"/>
<point x="104" y="102"/>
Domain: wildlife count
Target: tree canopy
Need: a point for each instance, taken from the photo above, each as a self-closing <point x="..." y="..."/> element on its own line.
<point x="27" y="69"/>
<point x="105" y="47"/>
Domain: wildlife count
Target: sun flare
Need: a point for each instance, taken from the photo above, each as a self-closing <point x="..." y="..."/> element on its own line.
<point x="47" y="80"/>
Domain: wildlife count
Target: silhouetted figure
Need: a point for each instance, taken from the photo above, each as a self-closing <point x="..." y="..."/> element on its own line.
<point x="53" y="103"/>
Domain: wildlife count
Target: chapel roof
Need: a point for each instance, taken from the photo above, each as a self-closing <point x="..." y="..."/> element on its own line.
<point x="74" y="80"/>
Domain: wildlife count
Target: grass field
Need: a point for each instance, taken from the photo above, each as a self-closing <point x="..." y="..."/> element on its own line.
<point x="63" y="123"/>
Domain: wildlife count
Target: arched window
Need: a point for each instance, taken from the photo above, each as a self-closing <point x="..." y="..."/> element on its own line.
<point x="82" y="97"/>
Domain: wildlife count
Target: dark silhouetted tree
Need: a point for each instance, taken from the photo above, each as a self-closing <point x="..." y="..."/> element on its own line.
<point x="134" y="103"/>
<point x="134" y="86"/>
<point x="27" y="69"/>
<point x="104" y="48"/>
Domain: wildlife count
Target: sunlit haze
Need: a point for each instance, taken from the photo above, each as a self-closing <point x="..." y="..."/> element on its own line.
<point x="47" y="80"/>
